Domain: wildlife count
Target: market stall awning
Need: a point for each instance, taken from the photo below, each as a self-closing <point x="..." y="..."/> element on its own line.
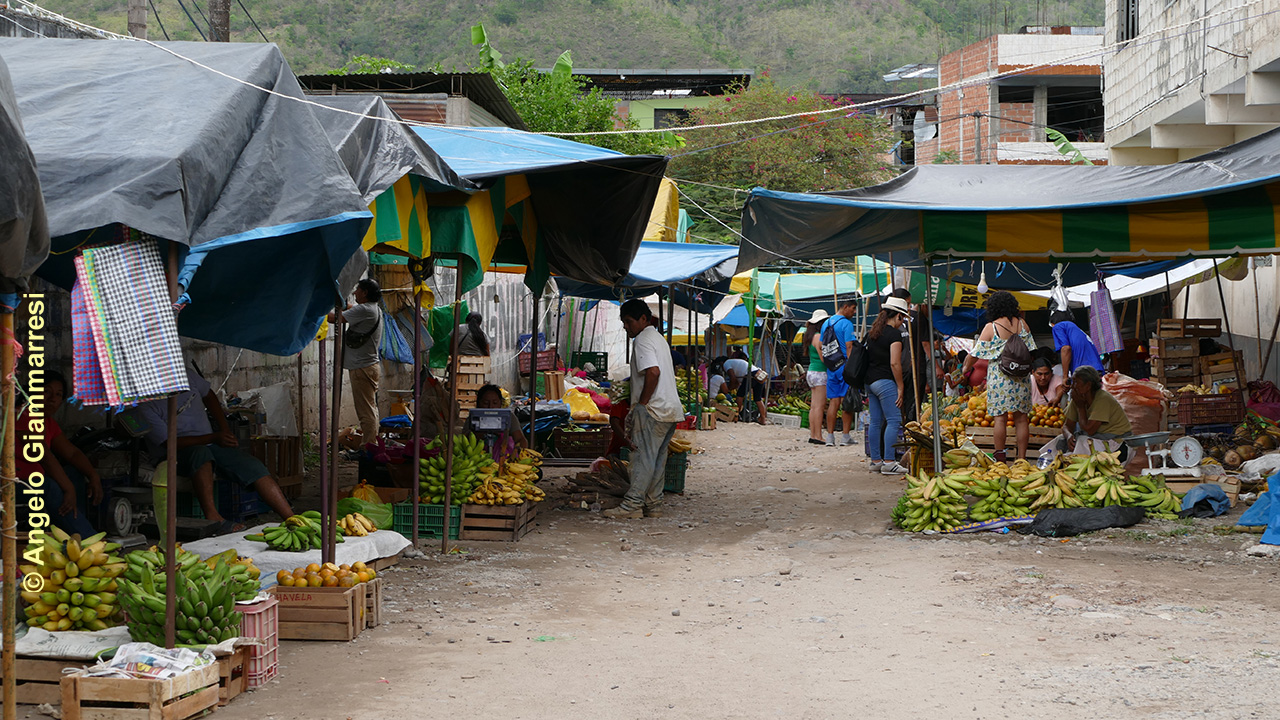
<point x="24" y="231"/>
<point x="1221" y="205"/>
<point x="658" y="264"/>
<point x="134" y="134"/>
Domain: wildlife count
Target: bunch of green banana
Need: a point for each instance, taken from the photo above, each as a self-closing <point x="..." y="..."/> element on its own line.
<point x="79" y="582"/>
<point x="298" y="533"/>
<point x="469" y="456"/>
<point x="933" y="503"/>
<point x="205" y="612"/>
<point x="1000" y="497"/>
<point x="1156" y="497"/>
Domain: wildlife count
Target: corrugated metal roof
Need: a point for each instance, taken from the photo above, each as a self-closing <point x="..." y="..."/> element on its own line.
<point x="637" y="83"/>
<point x="477" y="87"/>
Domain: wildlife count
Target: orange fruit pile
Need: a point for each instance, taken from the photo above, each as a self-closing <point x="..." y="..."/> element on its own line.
<point x="1046" y="416"/>
<point x="327" y="575"/>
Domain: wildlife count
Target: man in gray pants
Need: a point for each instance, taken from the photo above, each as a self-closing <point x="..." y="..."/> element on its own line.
<point x="655" y="410"/>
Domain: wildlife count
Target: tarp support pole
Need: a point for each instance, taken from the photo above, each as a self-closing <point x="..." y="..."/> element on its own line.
<point x="301" y="416"/>
<point x="688" y="329"/>
<point x="933" y="376"/>
<point x="328" y="538"/>
<point x="1257" y="313"/>
<point x="671" y="314"/>
<point x="451" y="414"/>
<point x="1275" y="326"/>
<point x="9" y="543"/>
<point x="533" y="374"/>
<point x="323" y="436"/>
<point x="1226" y="317"/>
<point x="171" y="495"/>
<point x="417" y="410"/>
<point x="559" y="321"/>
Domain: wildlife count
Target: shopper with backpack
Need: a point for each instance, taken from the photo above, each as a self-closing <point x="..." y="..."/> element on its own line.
<point x="837" y="338"/>
<point x="886" y="384"/>
<point x="1007" y="343"/>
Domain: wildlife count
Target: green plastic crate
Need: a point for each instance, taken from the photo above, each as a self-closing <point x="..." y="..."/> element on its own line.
<point x="600" y="360"/>
<point x="430" y="518"/>
<point x="677" y="465"/>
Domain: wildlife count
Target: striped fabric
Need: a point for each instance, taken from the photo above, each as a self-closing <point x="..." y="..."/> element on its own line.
<point x="1243" y="221"/>
<point x="89" y="386"/>
<point x="135" y="335"/>
<point x="1104" y="328"/>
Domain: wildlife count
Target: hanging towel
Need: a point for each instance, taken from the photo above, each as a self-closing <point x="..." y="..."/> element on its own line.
<point x="89" y="386"/>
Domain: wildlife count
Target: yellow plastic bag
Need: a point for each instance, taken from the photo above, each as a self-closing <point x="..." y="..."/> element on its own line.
<point x="581" y="406"/>
<point x="365" y="492"/>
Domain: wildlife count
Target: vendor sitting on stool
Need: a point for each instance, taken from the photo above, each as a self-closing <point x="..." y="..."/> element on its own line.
<point x="489" y="397"/>
<point x="1094" y="419"/>
<point x="204" y="453"/>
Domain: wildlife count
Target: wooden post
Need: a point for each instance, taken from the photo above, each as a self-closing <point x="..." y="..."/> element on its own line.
<point x="328" y="541"/>
<point x="9" y="544"/>
<point x="171" y="494"/>
<point x="302" y="417"/>
<point x="533" y="375"/>
<point x="417" y="407"/>
<point x="138" y="19"/>
<point x="1257" y="313"/>
<point x="219" y="20"/>
<point x="451" y="414"/>
<point x="933" y="376"/>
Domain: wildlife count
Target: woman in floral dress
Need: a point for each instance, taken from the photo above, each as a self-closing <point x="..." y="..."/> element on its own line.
<point x="1005" y="395"/>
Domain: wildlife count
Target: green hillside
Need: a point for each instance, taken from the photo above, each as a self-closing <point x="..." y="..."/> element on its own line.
<point x="829" y="45"/>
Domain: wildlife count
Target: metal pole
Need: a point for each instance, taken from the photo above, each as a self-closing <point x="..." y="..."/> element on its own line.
<point x="933" y="378"/>
<point x="688" y="329"/>
<point x="533" y="375"/>
<point x="451" y="413"/>
<point x="302" y="416"/>
<point x="322" y="437"/>
<point x="1257" y="316"/>
<point x="328" y="544"/>
<point x="559" y="321"/>
<point x="671" y="314"/>
<point x="835" y="289"/>
<point x="1266" y="360"/>
<point x="171" y="495"/>
<point x="1225" y="315"/>
<point x="415" y="488"/>
<point x="9" y="544"/>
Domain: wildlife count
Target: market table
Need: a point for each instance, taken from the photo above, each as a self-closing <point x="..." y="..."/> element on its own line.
<point x="380" y="544"/>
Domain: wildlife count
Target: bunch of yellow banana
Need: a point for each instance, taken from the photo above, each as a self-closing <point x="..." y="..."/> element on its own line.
<point x="932" y="503"/>
<point x="529" y="456"/>
<point x="679" y="445"/>
<point x="957" y="458"/>
<point x="508" y="484"/>
<point x="76" y="585"/>
<point x="1056" y="489"/>
<point x="357" y="525"/>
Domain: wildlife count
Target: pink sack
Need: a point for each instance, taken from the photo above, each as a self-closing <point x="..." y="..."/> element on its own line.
<point x="1143" y="403"/>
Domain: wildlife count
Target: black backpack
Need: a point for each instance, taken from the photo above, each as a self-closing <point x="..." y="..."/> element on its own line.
<point x="832" y="348"/>
<point x="855" y="370"/>
<point x="1015" y="359"/>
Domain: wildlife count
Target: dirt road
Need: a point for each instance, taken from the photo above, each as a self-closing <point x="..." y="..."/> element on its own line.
<point x="775" y="588"/>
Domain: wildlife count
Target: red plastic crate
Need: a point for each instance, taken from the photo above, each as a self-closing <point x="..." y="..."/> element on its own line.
<point x="261" y="620"/>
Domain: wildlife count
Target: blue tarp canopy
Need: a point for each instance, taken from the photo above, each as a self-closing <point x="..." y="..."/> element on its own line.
<point x="133" y="134"/>
<point x="659" y="264"/>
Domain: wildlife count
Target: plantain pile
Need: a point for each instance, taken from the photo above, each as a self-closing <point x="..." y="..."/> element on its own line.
<point x="296" y="534"/>
<point x="509" y="483"/>
<point x="244" y="584"/>
<point x="80" y="582"/>
<point x="932" y="503"/>
<point x="1152" y="494"/>
<point x="205" y="612"/>
<point x="357" y="525"/>
<point x="469" y="456"/>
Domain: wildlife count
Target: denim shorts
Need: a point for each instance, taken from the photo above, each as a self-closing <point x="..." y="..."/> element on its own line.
<point x="230" y="464"/>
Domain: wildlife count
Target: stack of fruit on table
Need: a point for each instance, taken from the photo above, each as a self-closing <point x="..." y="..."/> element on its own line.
<point x="1046" y="416"/>
<point x="298" y="533"/>
<point x="78" y="582"/>
<point x="1018" y="489"/>
<point x="510" y="482"/>
<point x="326" y="575"/>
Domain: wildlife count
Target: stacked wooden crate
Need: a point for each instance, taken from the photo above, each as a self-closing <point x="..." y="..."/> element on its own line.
<point x="1175" y="357"/>
<point x="473" y="373"/>
<point x="1222" y="371"/>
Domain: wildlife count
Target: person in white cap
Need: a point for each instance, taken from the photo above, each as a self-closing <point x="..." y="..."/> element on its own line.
<point x="885" y="384"/>
<point x="816" y="375"/>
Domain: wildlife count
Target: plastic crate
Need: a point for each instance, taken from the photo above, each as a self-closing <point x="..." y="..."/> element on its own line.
<point x="677" y="466"/>
<point x="583" y="444"/>
<point x="430" y="518"/>
<point x="600" y="360"/>
<point x="234" y="503"/>
<point x="1210" y="409"/>
<point x="261" y="620"/>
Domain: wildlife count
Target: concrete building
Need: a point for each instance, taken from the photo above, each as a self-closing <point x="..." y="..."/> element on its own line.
<point x="663" y="98"/>
<point x="1003" y="121"/>
<point x="1203" y="75"/>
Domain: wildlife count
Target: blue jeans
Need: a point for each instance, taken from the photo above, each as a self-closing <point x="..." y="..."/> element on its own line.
<point x="886" y="419"/>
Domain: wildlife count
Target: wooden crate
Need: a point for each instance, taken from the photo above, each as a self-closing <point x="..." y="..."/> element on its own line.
<point x="1230" y="485"/>
<point x="1189" y="327"/>
<point x="984" y="437"/>
<point x="708" y="420"/>
<point x="384" y="562"/>
<point x="321" y="613"/>
<point x="283" y="458"/>
<point x="231" y="675"/>
<point x="373" y="603"/>
<point x="1169" y="348"/>
<point x="553" y="384"/>
<point x="102" y="698"/>
<point x="1187" y="368"/>
<point x="497" y="522"/>
<point x="39" y="680"/>
<point x="474" y="365"/>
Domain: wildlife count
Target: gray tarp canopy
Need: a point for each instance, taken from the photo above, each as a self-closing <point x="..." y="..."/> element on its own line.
<point x="24" y="232"/>
<point x="1217" y="205"/>
<point x="126" y="133"/>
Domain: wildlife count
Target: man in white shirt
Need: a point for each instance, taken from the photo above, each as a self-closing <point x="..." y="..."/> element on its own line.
<point x="655" y="410"/>
<point x="744" y="381"/>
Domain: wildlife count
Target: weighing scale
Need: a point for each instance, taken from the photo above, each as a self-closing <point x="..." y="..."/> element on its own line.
<point x="1186" y="454"/>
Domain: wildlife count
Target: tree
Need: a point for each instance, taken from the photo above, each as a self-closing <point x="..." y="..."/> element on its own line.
<point x="560" y="102"/>
<point x="372" y="65"/>
<point x="810" y="153"/>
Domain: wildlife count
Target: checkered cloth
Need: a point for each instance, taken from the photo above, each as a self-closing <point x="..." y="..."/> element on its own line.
<point x="89" y="385"/>
<point x="134" y="330"/>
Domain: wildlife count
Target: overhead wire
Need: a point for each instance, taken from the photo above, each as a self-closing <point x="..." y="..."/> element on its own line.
<point x="193" y="22"/>
<point x="255" y="22"/>
<point x="158" y="20"/>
